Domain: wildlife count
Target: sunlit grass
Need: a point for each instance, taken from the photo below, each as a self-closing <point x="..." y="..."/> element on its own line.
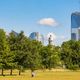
<point x="43" y="75"/>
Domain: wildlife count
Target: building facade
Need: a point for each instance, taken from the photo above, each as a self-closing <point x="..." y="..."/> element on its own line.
<point x="36" y="36"/>
<point x="75" y="26"/>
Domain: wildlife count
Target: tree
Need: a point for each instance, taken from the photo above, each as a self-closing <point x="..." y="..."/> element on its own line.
<point x="33" y="56"/>
<point x="26" y="51"/>
<point x="5" y="56"/>
<point x="49" y="56"/>
<point x="27" y="55"/>
<point x="12" y="40"/>
<point x="70" y="54"/>
<point x="18" y="48"/>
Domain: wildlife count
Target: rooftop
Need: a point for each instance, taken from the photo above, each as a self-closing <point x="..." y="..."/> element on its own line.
<point x="76" y="13"/>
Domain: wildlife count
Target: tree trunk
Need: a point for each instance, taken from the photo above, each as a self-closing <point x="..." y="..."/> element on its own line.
<point x="2" y="72"/>
<point x="11" y="72"/>
<point x="19" y="72"/>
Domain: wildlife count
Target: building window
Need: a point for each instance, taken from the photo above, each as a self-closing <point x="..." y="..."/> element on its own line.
<point x="73" y="36"/>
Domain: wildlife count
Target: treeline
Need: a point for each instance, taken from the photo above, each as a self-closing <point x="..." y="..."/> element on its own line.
<point x="17" y="51"/>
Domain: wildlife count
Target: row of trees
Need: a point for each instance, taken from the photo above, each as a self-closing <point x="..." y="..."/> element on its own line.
<point x="19" y="52"/>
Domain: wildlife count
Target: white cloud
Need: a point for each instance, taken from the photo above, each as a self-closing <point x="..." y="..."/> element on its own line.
<point x="48" y="22"/>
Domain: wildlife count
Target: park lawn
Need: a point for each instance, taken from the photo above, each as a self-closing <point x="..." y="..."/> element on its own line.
<point x="43" y="75"/>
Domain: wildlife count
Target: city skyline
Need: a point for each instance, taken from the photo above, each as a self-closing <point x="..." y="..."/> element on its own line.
<point x="43" y="16"/>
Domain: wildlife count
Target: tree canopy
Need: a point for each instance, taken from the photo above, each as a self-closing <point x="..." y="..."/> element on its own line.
<point x="17" y="51"/>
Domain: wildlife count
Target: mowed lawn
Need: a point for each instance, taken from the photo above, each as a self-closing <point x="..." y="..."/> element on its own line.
<point x="43" y="75"/>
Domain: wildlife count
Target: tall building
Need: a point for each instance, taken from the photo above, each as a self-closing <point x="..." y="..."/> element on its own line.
<point x="36" y="36"/>
<point x="50" y="41"/>
<point x="75" y="26"/>
<point x="51" y="37"/>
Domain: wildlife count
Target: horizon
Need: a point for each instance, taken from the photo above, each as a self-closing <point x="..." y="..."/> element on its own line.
<point x="41" y="16"/>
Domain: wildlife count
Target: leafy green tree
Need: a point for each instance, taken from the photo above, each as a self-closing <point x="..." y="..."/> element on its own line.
<point x="12" y="40"/>
<point x="49" y="56"/>
<point x="70" y="54"/>
<point x="5" y="56"/>
<point x="26" y="51"/>
<point x="18" y="48"/>
<point x="33" y="57"/>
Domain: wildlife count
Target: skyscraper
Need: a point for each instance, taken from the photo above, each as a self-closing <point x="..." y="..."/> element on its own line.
<point x="50" y="41"/>
<point x="75" y="26"/>
<point x="36" y="36"/>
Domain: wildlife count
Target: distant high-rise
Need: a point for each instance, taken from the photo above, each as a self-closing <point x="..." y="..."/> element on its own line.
<point x="50" y="41"/>
<point x="51" y="37"/>
<point x="36" y="36"/>
<point x="75" y="26"/>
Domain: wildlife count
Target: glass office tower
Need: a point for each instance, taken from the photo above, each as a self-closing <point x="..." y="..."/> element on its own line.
<point x="75" y="26"/>
<point x="36" y="36"/>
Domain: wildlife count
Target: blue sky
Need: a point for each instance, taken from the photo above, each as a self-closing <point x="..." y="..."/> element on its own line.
<point x="26" y="14"/>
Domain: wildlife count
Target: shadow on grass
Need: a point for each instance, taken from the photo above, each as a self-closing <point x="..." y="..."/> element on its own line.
<point x="8" y="75"/>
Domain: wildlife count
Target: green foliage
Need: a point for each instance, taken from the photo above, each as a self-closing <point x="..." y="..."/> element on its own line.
<point x="18" y="48"/>
<point x="19" y="52"/>
<point x="26" y="52"/>
<point x="33" y="56"/>
<point x="49" y="56"/>
<point x="5" y="56"/>
<point x="70" y="54"/>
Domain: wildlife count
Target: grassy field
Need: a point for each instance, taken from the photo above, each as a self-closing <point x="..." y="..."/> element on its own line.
<point x="43" y="75"/>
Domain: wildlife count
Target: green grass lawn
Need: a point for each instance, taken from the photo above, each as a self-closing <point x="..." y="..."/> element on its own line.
<point x="43" y="75"/>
